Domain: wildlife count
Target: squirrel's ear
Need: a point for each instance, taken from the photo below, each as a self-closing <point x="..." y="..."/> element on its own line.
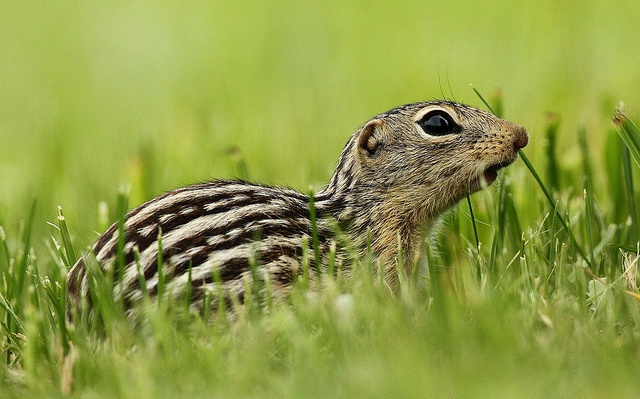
<point x="370" y="137"/>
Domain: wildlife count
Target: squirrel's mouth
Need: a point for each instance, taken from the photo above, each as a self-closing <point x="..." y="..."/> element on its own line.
<point x="491" y="173"/>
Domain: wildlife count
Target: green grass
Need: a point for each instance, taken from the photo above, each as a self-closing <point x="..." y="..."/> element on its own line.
<point x="528" y="290"/>
<point x="546" y="310"/>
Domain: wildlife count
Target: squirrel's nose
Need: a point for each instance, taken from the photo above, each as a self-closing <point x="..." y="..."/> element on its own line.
<point x="521" y="137"/>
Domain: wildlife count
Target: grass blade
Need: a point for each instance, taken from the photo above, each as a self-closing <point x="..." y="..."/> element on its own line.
<point x="473" y="222"/>
<point x="4" y="246"/>
<point x="70" y="255"/>
<point x="630" y="134"/>
<point x="314" y="233"/>
<point x="553" y="166"/>
<point x="630" y="194"/>
<point x="489" y="107"/>
<point x="560" y="217"/>
<point x="499" y="230"/>
<point x="160" y="266"/>
<point x="21" y="270"/>
<point x="122" y="203"/>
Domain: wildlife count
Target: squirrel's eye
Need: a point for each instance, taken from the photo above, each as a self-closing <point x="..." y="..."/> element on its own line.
<point x="438" y="123"/>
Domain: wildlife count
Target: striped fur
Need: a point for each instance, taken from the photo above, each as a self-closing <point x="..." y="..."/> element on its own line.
<point x="391" y="183"/>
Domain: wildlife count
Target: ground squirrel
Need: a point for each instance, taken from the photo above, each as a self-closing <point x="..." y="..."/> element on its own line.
<point x="396" y="175"/>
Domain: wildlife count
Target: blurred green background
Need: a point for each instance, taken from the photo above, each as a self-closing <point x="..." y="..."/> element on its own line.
<point x="153" y="94"/>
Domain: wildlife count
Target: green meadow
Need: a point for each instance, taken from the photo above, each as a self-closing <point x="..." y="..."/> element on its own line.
<point x="529" y="289"/>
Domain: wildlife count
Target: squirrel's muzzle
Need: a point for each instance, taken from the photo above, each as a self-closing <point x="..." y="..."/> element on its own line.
<point x="521" y="137"/>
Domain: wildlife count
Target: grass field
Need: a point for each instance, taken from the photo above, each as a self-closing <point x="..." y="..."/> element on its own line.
<point x="149" y="96"/>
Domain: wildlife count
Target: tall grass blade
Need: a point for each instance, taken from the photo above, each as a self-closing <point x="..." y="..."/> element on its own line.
<point x="553" y="166"/>
<point x="160" y="267"/>
<point x="304" y="265"/>
<point x="473" y="224"/>
<point x="122" y="205"/>
<point x="21" y="268"/>
<point x="497" y="243"/>
<point x="497" y="101"/>
<point x="630" y="134"/>
<point x="590" y="205"/>
<point x="189" y="287"/>
<point x="477" y="239"/>
<point x="314" y="233"/>
<point x="4" y="248"/>
<point x="486" y="104"/>
<point x="588" y="223"/>
<point x="70" y="255"/>
<point x="560" y="217"/>
<point x="634" y="232"/>
<point x="254" y="285"/>
<point x="587" y="168"/>
<point x="141" y="279"/>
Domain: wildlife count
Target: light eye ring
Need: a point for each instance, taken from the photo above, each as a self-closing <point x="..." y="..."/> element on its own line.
<point x="438" y="123"/>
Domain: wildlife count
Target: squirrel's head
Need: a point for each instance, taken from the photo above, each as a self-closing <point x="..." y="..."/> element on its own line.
<point x="433" y="153"/>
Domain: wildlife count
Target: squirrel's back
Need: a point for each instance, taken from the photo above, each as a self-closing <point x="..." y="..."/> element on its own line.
<point x="208" y="234"/>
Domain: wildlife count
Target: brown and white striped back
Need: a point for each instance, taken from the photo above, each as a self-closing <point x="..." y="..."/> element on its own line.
<point x="214" y="229"/>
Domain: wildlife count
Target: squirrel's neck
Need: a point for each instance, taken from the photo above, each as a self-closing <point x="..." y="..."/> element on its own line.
<point x="382" y="219"/>
<point x="385" y="223"/>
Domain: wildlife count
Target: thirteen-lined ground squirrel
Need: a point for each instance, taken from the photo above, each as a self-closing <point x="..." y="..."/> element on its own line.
<point x="395" y="176"/>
